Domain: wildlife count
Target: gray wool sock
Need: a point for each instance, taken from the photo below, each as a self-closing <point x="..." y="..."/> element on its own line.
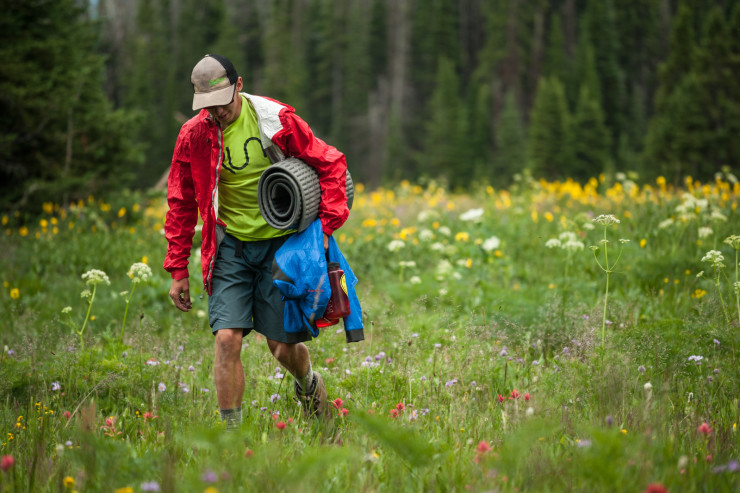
<point x="232" y="418"/>
<point x="305" y="382"/>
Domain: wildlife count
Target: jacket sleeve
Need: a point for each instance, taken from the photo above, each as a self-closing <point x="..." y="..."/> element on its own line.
<point x="299" y="141"/>
<point x="182" y="215"/>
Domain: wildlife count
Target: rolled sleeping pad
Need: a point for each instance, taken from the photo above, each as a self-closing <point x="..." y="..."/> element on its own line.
<point x="289" y="194"/>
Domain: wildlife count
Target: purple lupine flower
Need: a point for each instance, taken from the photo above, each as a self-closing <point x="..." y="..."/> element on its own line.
<point x="209" y="477"/>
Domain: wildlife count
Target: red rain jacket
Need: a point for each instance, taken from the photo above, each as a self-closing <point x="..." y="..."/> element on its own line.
<point x="196" y="166"/>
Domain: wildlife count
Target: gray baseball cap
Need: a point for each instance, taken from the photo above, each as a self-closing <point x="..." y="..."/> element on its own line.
<point x="214" y="82"/>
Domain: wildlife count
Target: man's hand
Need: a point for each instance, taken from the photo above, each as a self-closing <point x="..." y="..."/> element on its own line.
<point x="326" y="242"/>
<point x="180" y="294"/>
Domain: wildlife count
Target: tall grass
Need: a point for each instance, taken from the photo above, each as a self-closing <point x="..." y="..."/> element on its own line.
<point x="480" y="371"/>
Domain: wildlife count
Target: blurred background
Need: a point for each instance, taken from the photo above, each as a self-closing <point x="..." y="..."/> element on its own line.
<point x="92" y="93"/>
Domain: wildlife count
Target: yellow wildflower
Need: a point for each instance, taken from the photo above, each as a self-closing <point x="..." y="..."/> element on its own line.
<point x="125" y="489"/>
<point x="368" y="223"/>
<point x="395" y="221"/>
<point x="643" y="242"/>
<point x="68" y="481"/>
<point x="44" y="223"/>
<point x="135" y="208"/>
<point x="548" y="217"/>
<point x="23" y="231"/>
<point x="462" y="236"/>
<point x="5" y="220"/>
<point x="15" y="293"/>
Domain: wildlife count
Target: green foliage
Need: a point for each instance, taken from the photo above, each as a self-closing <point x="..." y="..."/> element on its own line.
<point x="480" y="366"/>
<point x="61" y="139"/>
<point x="549" y="130"/>
<point x="591" y="142"/>
<point x="511" y="143"/>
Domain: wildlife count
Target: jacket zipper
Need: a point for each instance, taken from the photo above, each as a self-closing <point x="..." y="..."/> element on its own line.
<point x="213" y="201"/>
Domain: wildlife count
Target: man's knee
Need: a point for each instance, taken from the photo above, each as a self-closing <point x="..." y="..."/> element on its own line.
<point x="229" y="342"/>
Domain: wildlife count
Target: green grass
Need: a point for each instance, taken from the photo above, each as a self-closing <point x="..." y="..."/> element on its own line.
<point x="449" y="349"/>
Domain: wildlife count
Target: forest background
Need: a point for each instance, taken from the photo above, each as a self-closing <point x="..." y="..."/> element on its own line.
<point x="471" y="91"/>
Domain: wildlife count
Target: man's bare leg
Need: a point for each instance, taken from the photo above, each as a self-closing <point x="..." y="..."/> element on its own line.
<point x="228" y="375"/>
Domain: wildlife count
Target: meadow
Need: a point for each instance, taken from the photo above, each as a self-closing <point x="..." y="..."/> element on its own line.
<point x="554" y="336"/>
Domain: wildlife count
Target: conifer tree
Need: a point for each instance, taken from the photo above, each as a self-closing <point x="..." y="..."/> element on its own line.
<point x="511" y="143"/>
<point x="590" y="139"/>
<point x="548" y="131"/>
<point x="441" y="152"/>
<point x="60" y="138"/>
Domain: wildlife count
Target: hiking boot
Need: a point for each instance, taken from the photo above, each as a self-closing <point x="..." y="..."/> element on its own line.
<point x="314" y="401"/>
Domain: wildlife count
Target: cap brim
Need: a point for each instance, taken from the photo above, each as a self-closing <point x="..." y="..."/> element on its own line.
<point x="219" y="97"/>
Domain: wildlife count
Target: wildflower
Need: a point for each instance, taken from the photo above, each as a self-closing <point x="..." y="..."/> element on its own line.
<point x="67" y="309"/>
<point x="715" y="258"/>
<point x="514" y="394"/>
<point x="150" y="486"/>
<point x="648" y="387"/>
<point x="444" y="230"/>
<point x="125" y="489"/>
<point x="462" y="236"/>
<point x="407" y="263"/>
<point x="472" y="215"/>
<point x="152" y="362"/>
<point x="483" y="447"/>
<point x="553" y="243"/>
<point x="733" y="241"/>
<point x="15" y="293"/>
<point x="274" y="398"/>
<point x="55" y="386"/>
<point x="527" y="397"/>
<point x="716" y="342"/>
<point x="501" y="398"/>
<point x="209" y="477"/>
<point x="529" y="411"/>
<point x="67" y="414"/>
<point x="393" y="413"/>
<point x="656" y="488"/>
<point x="400" y="406"/>
<point x="139" y="272"/>
<point x="606" y="220"/>
<point x="68" y="482"/>
<point x="162" y="387"/>
<point x="451" y="383"/>
<point x="396" y="245"/>
<point x="95" y="276"/>
<point x="696" y="358"/>
<point x="641" y="369"/>
<point x="705" y="232"/>
<point x="415" y="280"/>
<point x="503" y="352"/>
<point x="704" y="429"/>
<point x="7" y="462"/>
<point x="344" y="411"/>
<point x="337" y="403"/>
<point x="491" y="244"/>
<point x="249" y="453"/>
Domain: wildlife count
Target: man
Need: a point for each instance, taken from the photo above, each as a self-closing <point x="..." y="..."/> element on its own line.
<point x="218" y="159"/>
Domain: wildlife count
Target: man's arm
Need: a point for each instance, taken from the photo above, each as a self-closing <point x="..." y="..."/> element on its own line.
<point x="298" y="140"/>
<point x="180" y="222"/>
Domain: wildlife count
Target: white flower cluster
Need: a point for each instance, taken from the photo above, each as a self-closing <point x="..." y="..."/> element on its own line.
<point x="705" y="232"/>
<point x="95" y="276"/>
<point x="733" y="241"/>
<point x="472" y="215"/>
<point x="665" y="223"/>
<point x="407" y="263"/>
<point x="567" y="240"/>
<point x="491" y="244"/>
<point x="606" y="220"/>
<point x="715" y="258"/>
<point x="396" y="245"/>
<point x="426" y="235"/>
<point x="139" y="272"/>
<point x="690" y="205"/>
<point x="444" y="268"/>
<point x="717" y="216"/>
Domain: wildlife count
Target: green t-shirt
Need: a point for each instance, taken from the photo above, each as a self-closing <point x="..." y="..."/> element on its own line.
<point x="243" y="163"/>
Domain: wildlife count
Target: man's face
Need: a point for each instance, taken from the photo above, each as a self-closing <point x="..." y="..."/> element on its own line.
<point x="227" y="114"/>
